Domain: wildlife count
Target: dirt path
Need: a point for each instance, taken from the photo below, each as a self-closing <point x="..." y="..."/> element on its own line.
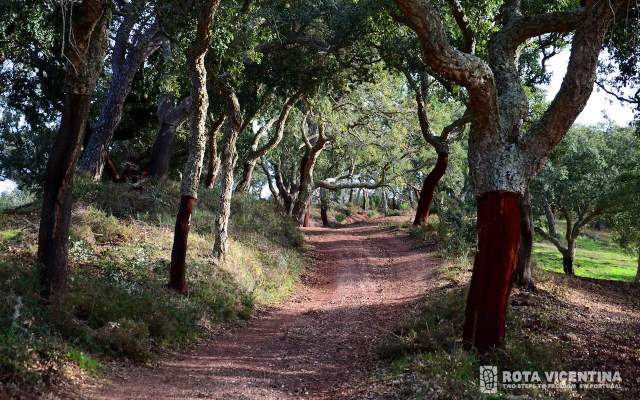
<point x="319" y="345"/>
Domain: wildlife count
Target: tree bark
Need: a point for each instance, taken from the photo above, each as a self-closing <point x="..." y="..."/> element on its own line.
<point x="177" y="274"/>
<point x="638" y="270"/>
<point x="523" y="278"/>
<point x="221" y="245"/>
<point x="112" y="171"/>
<point x="274" y="191"/>
<point x="385" y="202"/>
<point x="498" y="217"/>
<point x="169" y="118"/>
<point x="85" y="58"/>
<point x="197" y="139"/>
<point x="228" y="161"/>
<point x="306" y="182"/>
<point x="324" y="207"/>
<point x="429" y="188"/>
<point x="285" y="195"/>
<point x="213" y="164"/>
<point x="129" y="55"/>
<point x="567" y="265"/>
<point x="567" y="258"/>
<point x="307" y="215"/>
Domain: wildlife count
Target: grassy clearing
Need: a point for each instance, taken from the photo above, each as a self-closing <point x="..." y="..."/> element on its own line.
<point x="596" y="257"/>
<point x="118" y="305"/>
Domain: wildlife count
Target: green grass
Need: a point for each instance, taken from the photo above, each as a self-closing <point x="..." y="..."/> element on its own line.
<point x="9" y="234"/>
<point x="596" y="257"/>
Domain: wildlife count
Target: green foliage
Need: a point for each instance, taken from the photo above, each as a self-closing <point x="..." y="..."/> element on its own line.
<point x="14" y="199"/>
<point x="456" y="227"/>
<point x="340" y="217"/>
<point x="84" y="361"/>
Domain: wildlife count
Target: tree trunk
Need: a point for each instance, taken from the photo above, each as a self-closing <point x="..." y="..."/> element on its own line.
<point x="638" y="270"/>
<point x="213" y="165"/>
<point x="567" y="258"/>
<point x="161" y="152"/>
<point x="385" y="203"/>
<point x="411" y="198"/>
<point x="429" y="188"/>
<point x="551" y="220"/>
<point x="228" y="160"/>
<point x="365" y="199"/>
<point x="567" y="265"/>
<point x="307" y="164"/>
<point x="307" y="215"/>
<point x="85" y="58"/>
<point x="523" y="278"/>
<point x="324" y="216"/>
<point x="177" y="274"/>
<point x="129" y="55"/>
<point x="197" y="139"/>
<point x="274" y="191"/>
<point x="112" y="171"/>
<point x="324" y="206"/>
<point x="169" y="118"/>
<point x="247" y="176"/>
<point x="350" y="197"/>
<point x="285" y="195"/>
<point x="498" y="217"/>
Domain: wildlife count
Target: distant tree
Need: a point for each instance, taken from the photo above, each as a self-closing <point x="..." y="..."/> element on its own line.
<point x="579" y="183"/>
<point x="256" y="151"/>
<point x="138" y="36"/>
<point x="170" y="116"/>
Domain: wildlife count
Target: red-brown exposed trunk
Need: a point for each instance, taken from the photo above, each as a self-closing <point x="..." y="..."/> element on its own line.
<point x="177" y="275"/>
<point x="429" y="188"/>
<point x="307" y="216"/>
<point x="112" y="171"/>
<point x="495" y="259"/>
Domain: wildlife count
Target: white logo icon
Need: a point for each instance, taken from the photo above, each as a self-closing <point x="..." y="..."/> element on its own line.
<point x="489" y="379"/>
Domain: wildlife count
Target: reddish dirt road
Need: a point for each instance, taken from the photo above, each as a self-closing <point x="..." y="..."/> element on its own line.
<point x="319" y="345"/>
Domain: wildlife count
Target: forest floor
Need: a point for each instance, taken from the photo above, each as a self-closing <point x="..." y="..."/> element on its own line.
<point x="320" y="344"/>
